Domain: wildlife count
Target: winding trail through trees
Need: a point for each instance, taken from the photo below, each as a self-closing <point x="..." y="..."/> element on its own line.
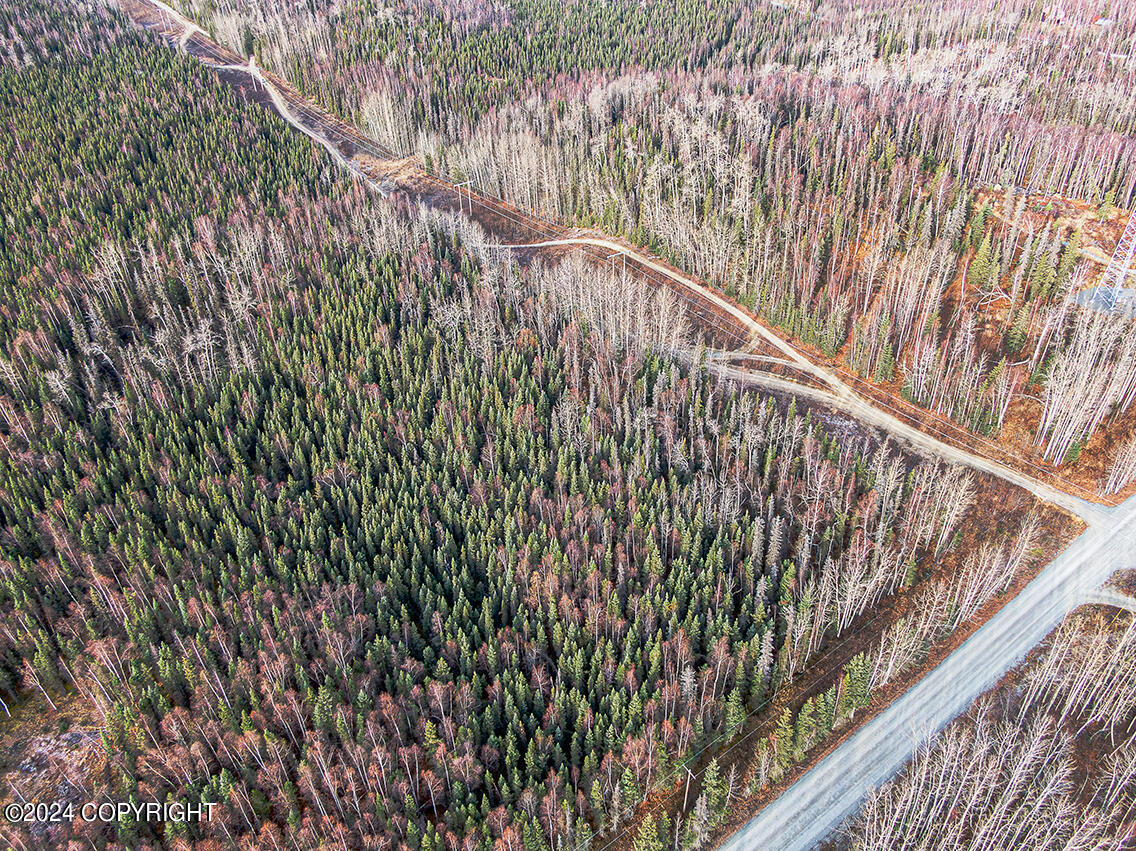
<point x="330" y="133"/>
<point x="701" y="291"/>
<point x="825" y="795"/>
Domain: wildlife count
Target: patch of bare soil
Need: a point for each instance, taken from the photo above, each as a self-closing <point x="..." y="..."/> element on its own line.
<point x="1099" y="235"/>
<point x="50" y="755"/>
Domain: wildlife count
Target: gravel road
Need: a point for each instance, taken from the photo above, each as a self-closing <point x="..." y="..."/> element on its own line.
<point x="816" y="804"/>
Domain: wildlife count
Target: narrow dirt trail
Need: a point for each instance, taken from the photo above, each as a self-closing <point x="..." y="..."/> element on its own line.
<point x="702" y="291"/>
<point x="286" y="113"/>
<point x="841" y="395"/>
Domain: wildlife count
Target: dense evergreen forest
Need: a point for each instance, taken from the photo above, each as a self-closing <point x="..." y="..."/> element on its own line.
<point x="370" y="536"/>
<point x="868" y="180"/>
<point x="108" y="134"/>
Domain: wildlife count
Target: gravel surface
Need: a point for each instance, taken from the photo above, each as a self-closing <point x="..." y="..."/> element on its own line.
<point x="823" y="797"/>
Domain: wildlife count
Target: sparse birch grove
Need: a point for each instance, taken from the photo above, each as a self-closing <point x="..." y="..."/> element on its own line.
<point x="1093" y="376"/>
<point x="641" y="315"/>
<point x="1123" y="470"/>
<point x="945" y="604"/>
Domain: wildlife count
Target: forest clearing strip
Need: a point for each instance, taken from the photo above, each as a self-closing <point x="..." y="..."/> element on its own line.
<point x="703" y="291"/>
<point x="552" y="235"/>
<point x="298" y="112"/>
<point x="846" y="399"/>
<point x="1099" y="519"/>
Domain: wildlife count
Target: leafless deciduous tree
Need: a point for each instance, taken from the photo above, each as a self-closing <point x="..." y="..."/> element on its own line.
<point x="1093" y="376"/>
<point x="1123" y="470"/>
<point x="946" y="603"/>
<point x="626" y="308"/>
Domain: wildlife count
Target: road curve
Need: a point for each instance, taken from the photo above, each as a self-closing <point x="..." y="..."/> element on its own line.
<point x="701" y="291"/>
<point x="822" y="798"/>
<point x="841" y="396"/>
<point x="767" y="381"/>
<point x="926" y="444"/>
